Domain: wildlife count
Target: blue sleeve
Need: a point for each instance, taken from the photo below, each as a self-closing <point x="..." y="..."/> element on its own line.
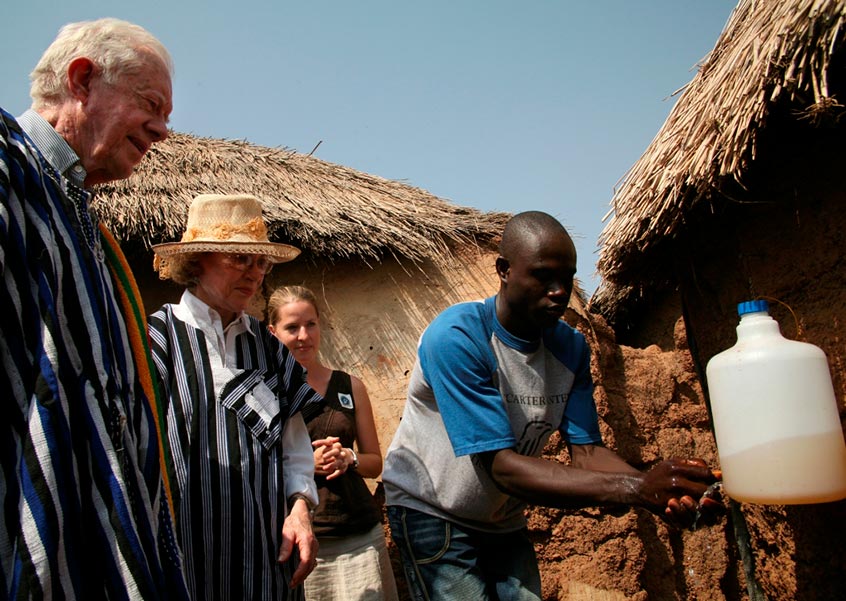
<point x="580" y="424"/>
<point x="458" y="365"/>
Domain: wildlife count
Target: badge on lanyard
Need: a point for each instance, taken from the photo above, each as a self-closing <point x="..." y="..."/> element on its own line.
<point x="345" y="400"/>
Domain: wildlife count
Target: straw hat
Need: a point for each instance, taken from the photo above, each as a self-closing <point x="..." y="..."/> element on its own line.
<point x="226" y="223"/>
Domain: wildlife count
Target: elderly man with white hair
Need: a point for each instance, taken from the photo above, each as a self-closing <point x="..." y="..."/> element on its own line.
<point x="83" y="486"/>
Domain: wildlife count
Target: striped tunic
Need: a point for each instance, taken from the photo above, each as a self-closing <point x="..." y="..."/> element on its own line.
<point x="233" y="410"/>
<point x="83" y="512"/>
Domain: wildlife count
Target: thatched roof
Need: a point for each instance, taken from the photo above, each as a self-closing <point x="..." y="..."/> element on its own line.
<point x="327" y="210"/>
<point x="771" y="51"/>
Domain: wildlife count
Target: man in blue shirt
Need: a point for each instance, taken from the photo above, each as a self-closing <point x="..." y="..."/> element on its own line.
<point x="492" y="381"/>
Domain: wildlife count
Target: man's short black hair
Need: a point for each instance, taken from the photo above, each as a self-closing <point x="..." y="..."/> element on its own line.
<point x="526" y="226"/>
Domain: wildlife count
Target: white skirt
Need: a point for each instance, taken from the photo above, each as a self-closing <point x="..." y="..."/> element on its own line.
<point x="352" y="568"/>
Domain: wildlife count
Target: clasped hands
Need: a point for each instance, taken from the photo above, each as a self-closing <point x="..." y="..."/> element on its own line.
<point x="330" y="458"/>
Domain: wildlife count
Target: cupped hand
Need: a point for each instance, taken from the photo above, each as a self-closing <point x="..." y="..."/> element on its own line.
<point x="297" y="533"/>
<point x="681" y="492"/>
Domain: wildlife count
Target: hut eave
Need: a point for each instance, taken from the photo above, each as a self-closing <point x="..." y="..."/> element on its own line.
<point x="772" y="54"/>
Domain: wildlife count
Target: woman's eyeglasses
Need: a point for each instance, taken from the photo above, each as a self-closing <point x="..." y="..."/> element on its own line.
<point x="245" y="262"/>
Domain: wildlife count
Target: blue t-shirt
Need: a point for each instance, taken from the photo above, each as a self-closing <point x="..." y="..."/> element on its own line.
<point x="474" y="388"/>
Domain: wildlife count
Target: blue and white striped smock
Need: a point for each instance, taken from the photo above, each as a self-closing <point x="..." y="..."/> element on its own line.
<point x="83" y="513"/>
<point x="240" y="447"/>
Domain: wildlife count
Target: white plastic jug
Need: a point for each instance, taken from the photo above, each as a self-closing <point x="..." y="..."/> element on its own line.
<point x="775" y="416"/>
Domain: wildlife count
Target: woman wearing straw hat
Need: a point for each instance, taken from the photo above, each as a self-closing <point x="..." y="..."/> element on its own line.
<point x="239" y="451"/>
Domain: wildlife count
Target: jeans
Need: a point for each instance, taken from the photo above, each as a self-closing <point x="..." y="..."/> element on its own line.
<point x="445" y="561"/>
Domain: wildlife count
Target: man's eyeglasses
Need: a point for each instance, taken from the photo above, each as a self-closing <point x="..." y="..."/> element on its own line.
<point x="245" y="262"/>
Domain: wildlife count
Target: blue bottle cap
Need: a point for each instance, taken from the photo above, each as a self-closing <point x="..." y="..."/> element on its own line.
<point x="753" y="306"/>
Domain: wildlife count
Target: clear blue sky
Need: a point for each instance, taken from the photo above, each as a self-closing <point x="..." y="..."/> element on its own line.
<point x="497" y="105"/>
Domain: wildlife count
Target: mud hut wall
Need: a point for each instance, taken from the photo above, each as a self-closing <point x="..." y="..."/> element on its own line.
<point x="779" y="237"/>
<point x="371" y="316"/>
<point x="780" y="234"/>
<point x="786" y="245"/>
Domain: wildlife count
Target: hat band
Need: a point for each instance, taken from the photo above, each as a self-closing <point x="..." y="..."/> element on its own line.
<point x="254" y="229"/>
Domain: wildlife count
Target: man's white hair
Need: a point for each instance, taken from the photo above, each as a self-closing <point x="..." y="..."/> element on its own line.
<point x="117" y="47"/>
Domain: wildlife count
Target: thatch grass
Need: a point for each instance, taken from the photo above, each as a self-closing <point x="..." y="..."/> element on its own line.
<point x="327" y="210"/>
<point x="771" y="51"/>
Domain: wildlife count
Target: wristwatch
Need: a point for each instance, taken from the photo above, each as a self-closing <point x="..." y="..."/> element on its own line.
<point x="355" y="459"/>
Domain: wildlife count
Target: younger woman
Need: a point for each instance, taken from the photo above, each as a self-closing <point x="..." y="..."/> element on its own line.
<point x="352" y="561"/>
